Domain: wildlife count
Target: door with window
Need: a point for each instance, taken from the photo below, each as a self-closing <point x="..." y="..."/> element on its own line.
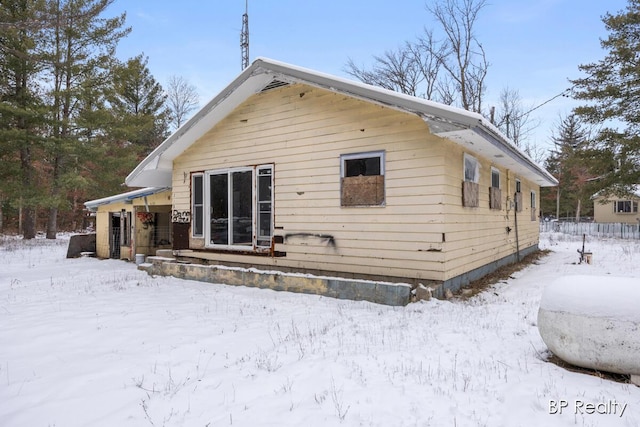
<point x="238" y="207"/>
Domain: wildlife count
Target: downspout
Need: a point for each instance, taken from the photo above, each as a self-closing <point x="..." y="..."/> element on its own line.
<point x="515" y="218"/>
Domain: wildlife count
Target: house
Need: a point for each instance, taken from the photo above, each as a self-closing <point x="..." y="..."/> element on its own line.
<point x="294" y="170"/>
<point x="136" y="222"/>
<point x="617" y="209"/>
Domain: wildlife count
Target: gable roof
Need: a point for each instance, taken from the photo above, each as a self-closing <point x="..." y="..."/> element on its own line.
<point x="92" y="205"/>
<point x="468" y="129"/>
<point x="618" y="192"/>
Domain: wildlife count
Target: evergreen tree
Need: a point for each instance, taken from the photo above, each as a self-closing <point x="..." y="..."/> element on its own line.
<point x="138" y="104"/>
<point x="79" y="45"/>
<point x="578" y="164"/>
<point x="22" y="124"/>
<point x="611" y="88"/>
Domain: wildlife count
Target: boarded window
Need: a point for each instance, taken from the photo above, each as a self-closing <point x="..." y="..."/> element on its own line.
<point x="495" y="198"/>
<point x="362" y="180"/>
<point x="470" y="188"/>
<point x="470" y="192"/>
<point x="363" y="190"/>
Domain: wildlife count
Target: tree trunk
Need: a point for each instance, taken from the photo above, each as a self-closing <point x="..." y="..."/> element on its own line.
<point x="28" y="220"/>
<point x="52" y="223"/>
<point x="28" y="223"/>
<point x="578" y="210"/>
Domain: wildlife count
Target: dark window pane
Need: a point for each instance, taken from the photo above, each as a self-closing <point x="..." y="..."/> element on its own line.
<point x="197" y="221"/>
<point x="242" y="208"/>
<point x="264" y="188"/>
<point x="369" y="166"/>
<point x="197" y="190"/>
<point x="219" y="209"/>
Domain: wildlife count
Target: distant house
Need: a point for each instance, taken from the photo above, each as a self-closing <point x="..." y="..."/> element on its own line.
<point x="294" y="170"/>
<point x="136" y="222"/>
<point x="617" y="209"/>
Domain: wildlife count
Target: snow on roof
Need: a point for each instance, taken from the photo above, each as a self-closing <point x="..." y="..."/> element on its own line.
<point x="468" y="129"/>
<point x="92" y="205"/>
<point x="633" y="190"/>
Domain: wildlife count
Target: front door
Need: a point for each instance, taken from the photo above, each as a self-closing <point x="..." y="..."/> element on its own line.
<point x="115" y="233"/>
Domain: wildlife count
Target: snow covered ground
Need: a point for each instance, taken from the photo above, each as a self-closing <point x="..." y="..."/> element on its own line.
<point x="87" y="342"/>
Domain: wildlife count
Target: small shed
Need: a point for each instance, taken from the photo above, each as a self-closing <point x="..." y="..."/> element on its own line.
<point x="135" y="222"/>
<point x="617" y="208"/>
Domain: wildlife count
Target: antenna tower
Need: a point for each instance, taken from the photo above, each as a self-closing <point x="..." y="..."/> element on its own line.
<point x="244" y="36"/>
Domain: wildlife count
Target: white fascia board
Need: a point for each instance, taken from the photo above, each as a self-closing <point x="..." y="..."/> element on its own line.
<point x="93" y="205"/>
<point x="464" y="127"/>
<point x="161" y="159"/>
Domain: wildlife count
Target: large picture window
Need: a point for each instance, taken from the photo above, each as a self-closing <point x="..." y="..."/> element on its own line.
<point x="237" y="208"/>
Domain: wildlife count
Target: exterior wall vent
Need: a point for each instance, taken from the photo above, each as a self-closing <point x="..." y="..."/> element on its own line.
<point x="275" y="83"/>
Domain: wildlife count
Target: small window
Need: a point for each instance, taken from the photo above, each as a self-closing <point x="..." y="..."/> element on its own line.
<point x="362" y="179"/>
<point x="470" y="186"/>
<point x="471" y="169"/>
<point x="197" y="197"/>
<point x="495" y="194"/>
<point x="495" y="178"/>
<point x="625" y="206"/>
<point x="533" y="206"/>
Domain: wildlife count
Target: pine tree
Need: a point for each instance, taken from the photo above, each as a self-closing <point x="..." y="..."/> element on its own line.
<point x="22" y="123"/>
<point x="79" y="47"/>
<point x="611" y="88"/>
<point x="138" y="104"/>
<point x="578" y="164"/>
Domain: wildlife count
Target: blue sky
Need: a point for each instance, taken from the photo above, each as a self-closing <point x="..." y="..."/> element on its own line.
<point x="533" y="46"/>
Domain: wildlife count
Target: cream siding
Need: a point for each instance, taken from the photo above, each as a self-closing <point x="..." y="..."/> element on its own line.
<point x="160" y="202"/>
<point x="303" y="131"/>
<point x="476" y="236"/>
<point x="604" y="212"/>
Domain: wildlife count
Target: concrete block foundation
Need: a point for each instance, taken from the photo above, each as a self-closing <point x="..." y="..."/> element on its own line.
<point x="387" y="293"/>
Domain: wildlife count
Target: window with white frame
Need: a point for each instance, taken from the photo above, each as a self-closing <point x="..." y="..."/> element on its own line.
<point x="533" y="206"/>
<point x="495" y="194"/>
<point x="470" y="186"/>
<point x="362" y="179"/>
<point x="471" y="169"/>
<point x="237" y="207"/>
<point x="625" y="206"/>
<point x="197" y="208"/>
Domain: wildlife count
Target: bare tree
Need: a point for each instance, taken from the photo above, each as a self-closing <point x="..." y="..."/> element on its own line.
<point x="513" y="119"/>
<point x="460" y="54"/>
<point x="182" y="98"/>
<point x="394" y="70"/>
<point x="451" y="70"/>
